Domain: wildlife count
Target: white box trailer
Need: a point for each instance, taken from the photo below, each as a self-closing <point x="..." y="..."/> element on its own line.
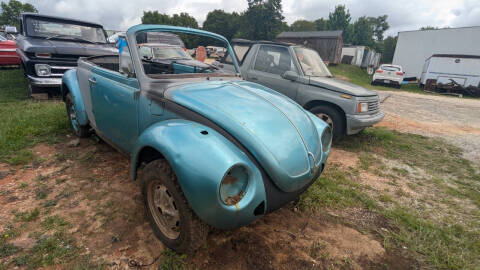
<point x="463" y="69"/>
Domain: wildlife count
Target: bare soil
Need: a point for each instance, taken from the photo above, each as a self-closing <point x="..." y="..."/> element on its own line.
<point x="92" y="190"/>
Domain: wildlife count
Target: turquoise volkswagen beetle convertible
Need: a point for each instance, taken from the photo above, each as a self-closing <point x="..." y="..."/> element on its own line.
<point x="212" y="148"/>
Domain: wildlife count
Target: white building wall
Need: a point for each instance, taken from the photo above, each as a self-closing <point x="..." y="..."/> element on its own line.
<point x="414" y="47"/>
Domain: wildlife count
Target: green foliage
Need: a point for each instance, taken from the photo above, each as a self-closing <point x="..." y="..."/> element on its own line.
<point x="303" y="25"/>
<point x="7" y="249"/>
<point x="172" y="261"/>
<point x="379" y="26"/>
<point x="389" y="45"/>
<point x="263" y="20"/>
<point x="54" y="222"/>
<point x="321" y="24"/>
<point x="10" y="12"/>
<point x="223" y="23"/>
<point x="362" y="32"/>
<point x="339" y="19"/>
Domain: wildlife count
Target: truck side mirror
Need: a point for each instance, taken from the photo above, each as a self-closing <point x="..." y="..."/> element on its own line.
<point x="290" y="75"/>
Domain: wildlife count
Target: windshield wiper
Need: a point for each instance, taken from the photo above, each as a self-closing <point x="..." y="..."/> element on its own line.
<point x="72" y="38"/>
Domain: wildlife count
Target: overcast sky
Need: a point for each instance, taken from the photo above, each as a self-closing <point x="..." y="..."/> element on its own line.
<point x="402" y="14"/>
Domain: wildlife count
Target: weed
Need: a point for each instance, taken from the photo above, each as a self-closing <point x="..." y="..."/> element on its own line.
<point x="27" y="216"/>
<point x="42" y="191"/>
<point x="172" y="261"/>
<point x="54" y="222"/>
<point x="315" y="248"/>
<point x="385" y="198"/>
<point x="7" y="249"/>
<point x="60" y="180"/>
<point x="22" y="185"/>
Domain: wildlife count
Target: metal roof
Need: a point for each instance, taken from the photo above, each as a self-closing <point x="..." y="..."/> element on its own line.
<point x="311" y="34"/>
<point x="31" y="14"/>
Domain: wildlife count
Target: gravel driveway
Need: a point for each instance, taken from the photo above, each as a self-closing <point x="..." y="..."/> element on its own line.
<point x="455" y="119"/>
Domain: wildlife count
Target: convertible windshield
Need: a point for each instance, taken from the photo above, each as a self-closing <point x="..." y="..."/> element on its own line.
<point x="170" y="53"/>
<point x="311" y="63"/>
<point x="49" y="28"/>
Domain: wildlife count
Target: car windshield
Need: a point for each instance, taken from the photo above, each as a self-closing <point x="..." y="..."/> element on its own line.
<point x="311" y="63"/>
<point x="170" y="53"/>
<point x="49" y="28"/>
<point x="390" y="68"/>
<point x="2" y="38"/>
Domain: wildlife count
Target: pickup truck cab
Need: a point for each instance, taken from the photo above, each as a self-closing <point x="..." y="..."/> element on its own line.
<point x="300" y="74"/>
<point x="48" y="46"/>
<point x="212" y="148"/>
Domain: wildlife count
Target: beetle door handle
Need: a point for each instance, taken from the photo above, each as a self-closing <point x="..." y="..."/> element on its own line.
<point x="92" y="80"/>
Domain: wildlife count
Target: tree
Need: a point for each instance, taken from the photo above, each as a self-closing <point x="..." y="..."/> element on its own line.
<point x="182" y="19"/>
<point x="262" y="20"/>
<point x="339" y="19"/>
<point x="303" y="25"/>
<point x="379" y="26"/>
<point x="223" y="23"/>
<point x="321" y="24"/>
<point x="389" y="45"/>
<point x="362" y="32"/>
<point x="11" y="12"/>
<point x="153" y="17"/>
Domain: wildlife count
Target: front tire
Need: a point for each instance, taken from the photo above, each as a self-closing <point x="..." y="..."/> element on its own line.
<point x="333" y="118"/>
<point x="171" y="218"/>
<point x="80" y="131"/>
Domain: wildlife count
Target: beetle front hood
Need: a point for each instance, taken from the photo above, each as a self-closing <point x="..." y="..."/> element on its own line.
<point x="276" y="130"/>
<point x="341" y="86"/>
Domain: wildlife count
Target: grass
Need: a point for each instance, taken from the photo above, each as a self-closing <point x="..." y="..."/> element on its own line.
<point x="444" y="244"/>
<point x="360" y="77"/>
<point x="24" y="122"/>
<point x="27" y="216"/>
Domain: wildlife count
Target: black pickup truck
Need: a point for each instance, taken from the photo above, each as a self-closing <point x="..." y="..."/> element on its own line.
<point x="48" y="46"/>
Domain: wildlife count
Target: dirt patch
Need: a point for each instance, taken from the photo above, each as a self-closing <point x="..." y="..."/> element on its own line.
<point x="89" y="187"/>
<point x="343" y="158"/>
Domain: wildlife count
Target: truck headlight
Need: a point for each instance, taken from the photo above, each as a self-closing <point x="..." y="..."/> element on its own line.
<point x="362" y="107"/>
<point x="42" y="70"/>
<point x="326" y="139"/>
<point x="234" y="185"/>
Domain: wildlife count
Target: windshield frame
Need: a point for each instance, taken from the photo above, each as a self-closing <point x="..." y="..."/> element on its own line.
<point x="329" y="75"/>
<point x="140" y="73"/>
<point x="30" y="33"/>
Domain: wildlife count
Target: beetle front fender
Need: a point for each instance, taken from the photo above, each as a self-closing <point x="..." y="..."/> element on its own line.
<point x="70" y="85"/>
<point x="200" y="158"/>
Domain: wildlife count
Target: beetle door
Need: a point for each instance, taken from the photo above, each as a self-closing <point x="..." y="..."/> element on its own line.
<point x="270" y="64"/>
<point x="114" y="102"/>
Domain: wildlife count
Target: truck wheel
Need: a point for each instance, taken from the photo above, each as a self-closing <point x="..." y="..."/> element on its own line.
<point x="333" y="118"/>
<point x="81" y="131"/>
<point x="168" y="212"/>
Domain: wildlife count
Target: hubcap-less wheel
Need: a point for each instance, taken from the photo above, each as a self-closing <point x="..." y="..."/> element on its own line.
<point x="73" y="117"/>
<point x="326" y="118"/>
<point x="163" y="209"/>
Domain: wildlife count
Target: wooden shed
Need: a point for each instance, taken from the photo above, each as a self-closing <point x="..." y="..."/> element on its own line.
<point x="327" y="43"/>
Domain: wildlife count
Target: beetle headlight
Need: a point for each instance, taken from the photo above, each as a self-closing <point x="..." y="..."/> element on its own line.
<point x="234" y="185"/>
<point x="42" y="70"/>
<point x="326" y="139"/>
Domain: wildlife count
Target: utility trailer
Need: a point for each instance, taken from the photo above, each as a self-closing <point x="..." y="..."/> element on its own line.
<point x="452" y="73"/>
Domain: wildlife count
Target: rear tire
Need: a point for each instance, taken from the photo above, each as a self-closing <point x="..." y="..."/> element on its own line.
<point x="333" y="117"/>
<point x="171" y="218"/>
<point x="81" y="131"/>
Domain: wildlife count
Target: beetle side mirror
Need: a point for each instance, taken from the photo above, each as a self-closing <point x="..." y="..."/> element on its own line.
<point x="290" y="75"/>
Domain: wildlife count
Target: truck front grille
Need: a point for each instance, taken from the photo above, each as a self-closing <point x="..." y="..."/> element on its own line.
<point x="373" y="106"/>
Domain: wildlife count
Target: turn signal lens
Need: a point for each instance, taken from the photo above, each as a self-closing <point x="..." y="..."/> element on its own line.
<point x="234" y="185"/>
<point x="362" y="107"/>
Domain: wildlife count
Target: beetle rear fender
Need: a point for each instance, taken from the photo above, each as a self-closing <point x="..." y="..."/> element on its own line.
<point x="201" y="158"/>
<point x="70" y="85"/>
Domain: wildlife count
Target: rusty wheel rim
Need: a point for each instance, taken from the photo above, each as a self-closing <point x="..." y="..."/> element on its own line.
<point x="164" y="210"/>
<point x="326" y="118"/>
